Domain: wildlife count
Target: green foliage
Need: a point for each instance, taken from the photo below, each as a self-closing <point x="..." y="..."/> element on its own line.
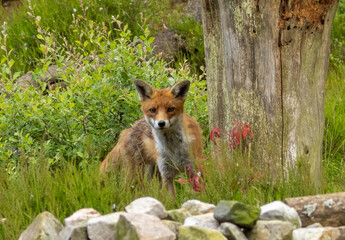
<point x="338" y="36"/>
<point x="58" y="17"/>
<point x="82" y="118"/>
<point x="334" y="137"/>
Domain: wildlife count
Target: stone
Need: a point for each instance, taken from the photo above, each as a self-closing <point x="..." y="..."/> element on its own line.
<point x="199" y="233"/>
<point x="315" y="225"/>
<point x="135" y="226"/>
<point x="172" y="225"/>
<point x="103" y="227"/>
<point x="194" y="10"/>
<point x="178" y="215"/>
<point x="45" y="226"/>
<point x="147" y="205"/>
<point x="75" y="225"/>
<point x="323" y="233"/>
<point x="231" y="231"/>
<point x="236" y="212"/>
<point x="196" y="207"/>
<point x="205" y="220"/>
<point x="271" y="230"/>
<point x="278" y="210"/>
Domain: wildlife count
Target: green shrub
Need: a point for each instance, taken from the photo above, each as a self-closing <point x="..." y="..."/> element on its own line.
<point x="81" y="121"/>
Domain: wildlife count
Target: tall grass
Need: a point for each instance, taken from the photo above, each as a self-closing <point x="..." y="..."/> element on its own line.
<point x="36" y="188"/>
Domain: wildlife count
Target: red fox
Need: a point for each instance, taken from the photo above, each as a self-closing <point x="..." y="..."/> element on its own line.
<point x="166" y="136"/>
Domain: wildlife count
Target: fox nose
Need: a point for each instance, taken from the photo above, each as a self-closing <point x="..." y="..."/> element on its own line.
<point x="161" y="123"/>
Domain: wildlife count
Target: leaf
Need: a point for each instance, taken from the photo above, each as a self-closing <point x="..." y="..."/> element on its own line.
<point x="151" y="39"/>
<point x="39" y="36"/>
<point x="11" y="63"/>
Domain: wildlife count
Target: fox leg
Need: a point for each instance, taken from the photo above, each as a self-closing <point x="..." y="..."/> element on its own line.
<point x="168" y="173"/>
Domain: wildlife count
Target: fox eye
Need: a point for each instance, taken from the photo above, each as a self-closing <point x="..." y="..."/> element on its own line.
<point x="171" y="109"/>
<point x="153" y="110"/>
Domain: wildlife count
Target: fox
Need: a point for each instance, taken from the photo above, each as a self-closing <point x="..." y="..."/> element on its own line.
<point x="165" y="138"/>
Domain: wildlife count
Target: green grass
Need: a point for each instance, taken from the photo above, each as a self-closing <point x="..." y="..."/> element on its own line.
<point x="334" y="136"/>
<point x="36" y="189"/>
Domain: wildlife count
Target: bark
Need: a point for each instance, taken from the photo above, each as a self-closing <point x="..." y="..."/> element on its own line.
<point x="327" y="209"/>
<point x="266" y="65"/>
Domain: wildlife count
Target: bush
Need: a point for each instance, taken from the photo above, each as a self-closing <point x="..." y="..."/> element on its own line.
<point x="82" y="117"/>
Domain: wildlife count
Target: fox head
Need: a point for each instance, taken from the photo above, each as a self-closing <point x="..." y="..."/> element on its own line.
<point x="163" y="108"/>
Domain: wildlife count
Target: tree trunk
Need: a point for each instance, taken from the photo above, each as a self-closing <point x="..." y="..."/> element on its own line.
<point x="267" y="63"/>
<point x="326" y="209"/>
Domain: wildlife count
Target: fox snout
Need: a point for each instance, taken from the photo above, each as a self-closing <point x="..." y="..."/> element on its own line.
<point x="161" y="124"/>
<point x="158" y="124"/>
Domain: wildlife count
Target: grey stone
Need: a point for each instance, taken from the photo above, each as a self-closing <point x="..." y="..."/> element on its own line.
<point x="271" y="230"/>
<point x="172" y="225"/>
<point x="147" y="205"/>
<point x="196" y="207"/>
<point x="103" y="227"/>
<point x="75" y="225"/>
<point x="142" y="226"/>
<point x="199" y="233"/>
<point x="45" y="226"/>
<point x="178" y="215"/>
<point x="231" y="231"/>
<point x="278" y="210"/>
<point x="236" y="212"/>
<point x="205" y="220"/>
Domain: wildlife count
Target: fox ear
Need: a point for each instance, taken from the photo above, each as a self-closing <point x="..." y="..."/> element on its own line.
<point x="180" y="90"/>
<point x="144" y="89"/>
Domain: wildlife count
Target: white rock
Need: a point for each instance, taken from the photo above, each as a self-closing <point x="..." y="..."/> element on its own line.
<point x="45" y="226"/>
<point x="75" y="225"/>
<point x="319" y="233"/>
<point x="135" y="226"/>
<point x="278" y="210"/>
<point x="103" y="227"/>
<point x="196" y="207"/>
<point x="271" y="230"/>
<point x="315" y="225"/>
<point x="205" y="220"/>
<point x="231" y="231"/>
<point x="147" y="205"/>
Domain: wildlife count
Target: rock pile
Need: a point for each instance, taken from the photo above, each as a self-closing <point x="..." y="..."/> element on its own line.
<point x="147" y="218"/>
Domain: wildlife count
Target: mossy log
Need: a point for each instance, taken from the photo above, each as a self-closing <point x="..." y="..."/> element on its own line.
<point x="326" y="209"/>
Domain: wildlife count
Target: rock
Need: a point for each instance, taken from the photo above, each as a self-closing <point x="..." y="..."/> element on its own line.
<point x="172" y="225"/>
<point x="271" y="230"/>
<point x="231" y="231"/>
<point x="236" y="212"/>
<point x="75" y="225"/>
<point x="194" y="10"/>
<point x="45" y="226"/>
<point x="133" y="226"/>
<point x="168" y="44"/>
<point x="327" y="233"/>
<point x="199" y="233"/>
<point x="278" y="210"/>
<point x="315" y="225"/>
<point x="196" y="207"/>
<point x="103" y="227"/>
<point x="205" y="220"/>
<point x="178" y="215"/>
<point x="147" y="205"/>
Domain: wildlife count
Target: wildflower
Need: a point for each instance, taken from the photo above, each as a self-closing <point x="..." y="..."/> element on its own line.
<point x="74" y="10"/>
<point x="100" y="9"/>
